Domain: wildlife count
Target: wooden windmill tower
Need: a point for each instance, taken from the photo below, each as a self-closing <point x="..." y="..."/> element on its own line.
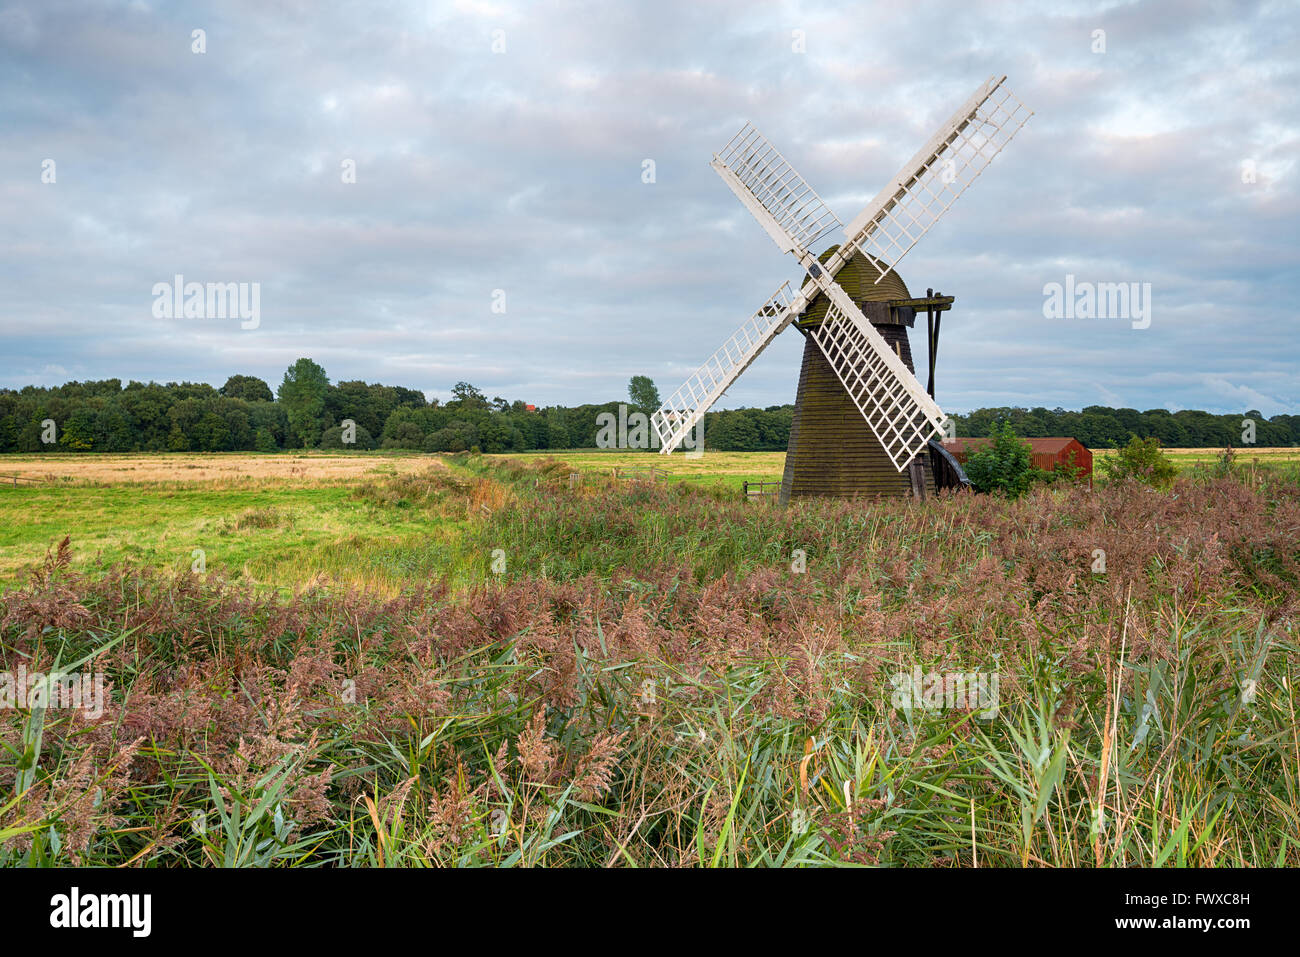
<point x="863" y="424"/>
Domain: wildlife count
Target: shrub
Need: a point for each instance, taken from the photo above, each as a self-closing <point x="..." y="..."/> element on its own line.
<point x="1005" y="465"/>
<point x="1143" y="460"/>
<point x="1226" y="462"/>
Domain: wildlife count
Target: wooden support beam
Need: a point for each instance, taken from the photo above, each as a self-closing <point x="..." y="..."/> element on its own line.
<point x="939" y="303"/>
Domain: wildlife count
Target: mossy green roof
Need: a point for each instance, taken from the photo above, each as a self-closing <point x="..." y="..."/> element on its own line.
<point x="858" y="277"/>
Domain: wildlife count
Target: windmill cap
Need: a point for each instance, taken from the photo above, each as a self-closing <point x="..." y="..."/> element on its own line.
<point x="858" y="278"/>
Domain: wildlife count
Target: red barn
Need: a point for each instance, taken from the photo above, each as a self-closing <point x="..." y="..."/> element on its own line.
<point x="1045" y="454"/>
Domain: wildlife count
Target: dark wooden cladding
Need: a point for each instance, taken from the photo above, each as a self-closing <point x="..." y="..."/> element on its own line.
<point x="833" y="452"/>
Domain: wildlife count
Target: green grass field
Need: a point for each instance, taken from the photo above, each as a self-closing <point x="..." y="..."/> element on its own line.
<point x="723" y="470"/>
<point x="283" y="536"/>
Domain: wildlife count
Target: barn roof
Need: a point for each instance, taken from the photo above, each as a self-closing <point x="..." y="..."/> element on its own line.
<point x="1049" y="446"/>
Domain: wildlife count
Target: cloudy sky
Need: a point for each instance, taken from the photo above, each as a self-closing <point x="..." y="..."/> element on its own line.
<point x="1169" y="158"/>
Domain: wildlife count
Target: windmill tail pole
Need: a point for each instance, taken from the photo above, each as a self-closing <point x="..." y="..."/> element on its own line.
<point x="934" y="354"/>
<point x="931" y="340"/>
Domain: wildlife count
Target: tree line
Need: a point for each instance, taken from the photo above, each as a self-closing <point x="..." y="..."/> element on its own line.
<point x="1101" y="427"/>
<point x="307" y="411"/>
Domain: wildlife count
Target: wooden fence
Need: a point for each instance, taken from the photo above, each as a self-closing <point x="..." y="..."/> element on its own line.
<point x="759" y="489"/>
<point x="647" y="473"/>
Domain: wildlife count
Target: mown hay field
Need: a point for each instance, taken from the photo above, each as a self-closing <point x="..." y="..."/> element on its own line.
<point x="226" y="468"/>
<point x="478" y="662"/>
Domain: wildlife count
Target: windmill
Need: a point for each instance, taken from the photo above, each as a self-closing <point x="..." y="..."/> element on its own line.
<point x="863" y="424"/>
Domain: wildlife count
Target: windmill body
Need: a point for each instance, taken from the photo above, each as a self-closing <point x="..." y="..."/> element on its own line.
<point x="863" y="422"/>
<point x="832" y="451"/>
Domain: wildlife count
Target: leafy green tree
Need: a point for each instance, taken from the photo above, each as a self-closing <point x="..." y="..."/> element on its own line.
<point x="210" y="434"/>
<point x="113" y="430"/>
<point x="643" y="394"/>
<point x="1004" y="466"/>
<point x="444" y="440"/>
<point x="79" y="431"/>
<point x="269" y="417"/>
<point x="1162" y="424"/>
<point x="465" y="396"/>
<point x="494" y="435"/>
<point x="102" y="416"/>
<point x="1289" y="427"/>
<point x="333" y="439"/>
<point x="455" y="437"/>
<point x="1098" y="428"/>
<point x="247" y="387"/>
<point x="302" y="394"/>
<point x="557" y="431"/>
<point x="731" y="431"/>
<point x="235" y="414"/>
<point x="369" y="405"/>
<point x="402" y="430"/>
<point x="774" y="427"/>
<point x="146" y="405"/>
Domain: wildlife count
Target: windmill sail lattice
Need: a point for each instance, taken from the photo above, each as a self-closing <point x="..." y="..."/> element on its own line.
<point x="685" y="407"/>
<point x="892" y="223"/>
<point x="767" y="185"/>
<point x="903" y="419"/>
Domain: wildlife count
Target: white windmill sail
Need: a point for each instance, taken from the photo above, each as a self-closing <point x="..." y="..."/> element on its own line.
<point x="924" y="189"/>
<point x="781" y="200"/>
<point x="685" y="407"/>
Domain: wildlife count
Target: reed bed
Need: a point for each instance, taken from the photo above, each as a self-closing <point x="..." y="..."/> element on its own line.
<point x="641" y="674"/>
